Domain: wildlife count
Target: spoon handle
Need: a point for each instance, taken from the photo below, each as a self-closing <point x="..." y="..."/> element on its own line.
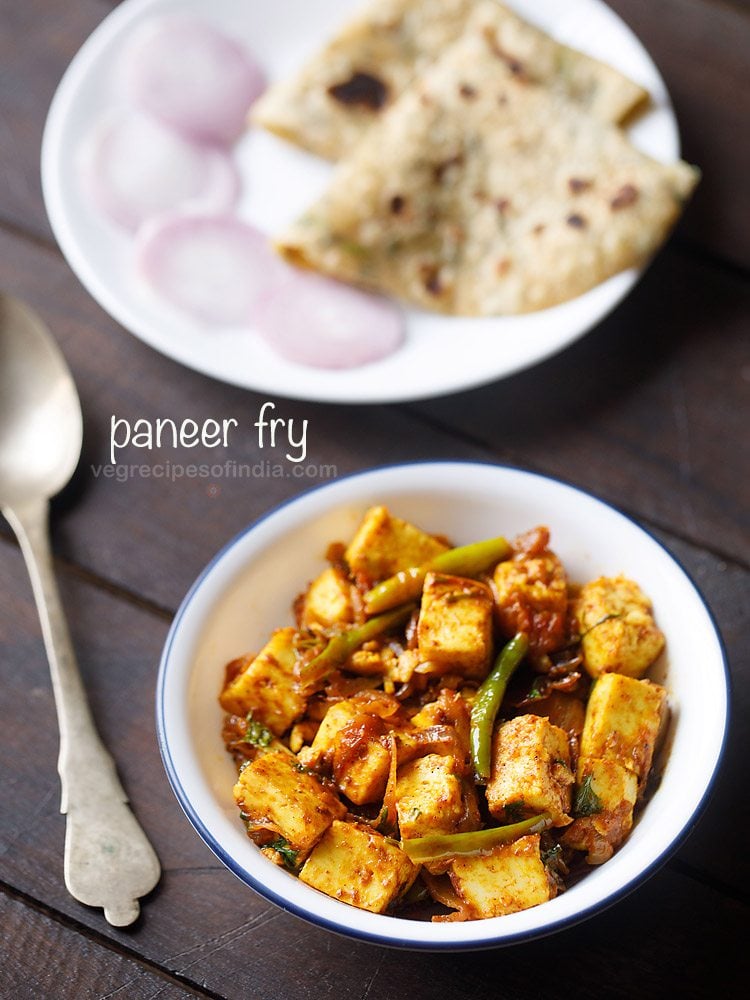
<point x="109" y="862"/>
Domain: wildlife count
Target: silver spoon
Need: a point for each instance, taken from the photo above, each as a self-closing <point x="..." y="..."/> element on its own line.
<point x="108" y="860"/>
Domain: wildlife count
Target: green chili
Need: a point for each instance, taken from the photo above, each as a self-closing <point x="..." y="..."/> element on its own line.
<point x="467" y="560"/>
<point x="341" y="646"/>
<point x="487" y="703"/>
<point x="438" y="846"/>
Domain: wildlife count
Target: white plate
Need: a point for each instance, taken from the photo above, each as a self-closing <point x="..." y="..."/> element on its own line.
<point x="442" y="354"/>
<point x="248" y="590"/>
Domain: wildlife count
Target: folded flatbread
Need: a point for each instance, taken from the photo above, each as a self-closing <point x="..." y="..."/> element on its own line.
<point x="346" y="88"/>
<point x="482" y="192"/>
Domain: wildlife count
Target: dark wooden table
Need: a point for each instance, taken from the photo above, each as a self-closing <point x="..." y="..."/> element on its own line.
<point x="650" y="411"/>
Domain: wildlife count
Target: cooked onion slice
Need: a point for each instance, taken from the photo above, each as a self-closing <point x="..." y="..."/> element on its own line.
<point x="191" y="76"/>
<point x="133" y="168"/>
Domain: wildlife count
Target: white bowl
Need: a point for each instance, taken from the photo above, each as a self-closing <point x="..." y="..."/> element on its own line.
<point x="248" y="588"/>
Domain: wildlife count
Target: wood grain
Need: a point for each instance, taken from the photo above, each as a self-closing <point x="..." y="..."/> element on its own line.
<point x="717" y="847"/>
<point x="69" y="965"/>
<point x="35" y="49"/>
<point x="701" y="49"/>
<point x="649" y="410"/>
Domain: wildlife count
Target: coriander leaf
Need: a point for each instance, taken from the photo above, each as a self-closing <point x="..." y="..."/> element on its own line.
<point x="538" y="689"/>
<point x="382" y="820"/>
<point x="551" y="856"/>
<point x="587" y="802"/>
<point x="288" y="854"/>
<point x="299" y="766"/>
<point x="552" y="859"/>
<point x="256" y="733"/>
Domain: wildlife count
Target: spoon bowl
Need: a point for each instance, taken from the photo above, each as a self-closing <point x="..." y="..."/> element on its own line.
<point x="41" y="428"/>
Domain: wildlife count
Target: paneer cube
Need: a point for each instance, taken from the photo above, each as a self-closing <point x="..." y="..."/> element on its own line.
<point x="530" y="771"/>
<point x="302" y="734"/>
<point x="278" y="798"/>
<point x="512" y="877"/>
<point x="531" y="595"/>
<point x="617" y="624"/>
<point x="359" y="866"/>
<point x="431" y="797"/>
<point x="266" y="686"/>
<point x="361" y="760"/>
<point x="384" y="544"/>
<point x="336" y="718"/>
<point x="615" y="790"/>
<point x="454" y="633"/>
<point x="328" y="600"/>
<point x="623" y="719"/>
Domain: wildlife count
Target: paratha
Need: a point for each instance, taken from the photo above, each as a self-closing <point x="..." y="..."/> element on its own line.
<point x="347" y="87"/>
<point x="482" y="192"/>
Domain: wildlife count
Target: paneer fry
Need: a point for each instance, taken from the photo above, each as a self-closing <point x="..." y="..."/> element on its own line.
<point x="530" y="771"/>
<point x="623" y="719"/>
<point x="512" y="877"/>
<point x="454" y="633"/>
<point x="361" y="759"/>
<point x="604" y="812"/>
<point x="328" y="600"/>
<point x="432" y="797"/>
<point x="531" y="595"/>
<point x="618" y="631"/>
<point x="376" y="749"/>
<point x="359" y="866"/>
<point x="277" y="798"/>
<point x="384" y="545"/>
<point x="266" y="686"/>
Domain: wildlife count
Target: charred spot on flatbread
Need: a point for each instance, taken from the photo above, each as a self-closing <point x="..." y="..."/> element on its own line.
<point x="332" y="102"/>
<point x="361" y="90"/>
<point x="626" y="196"/>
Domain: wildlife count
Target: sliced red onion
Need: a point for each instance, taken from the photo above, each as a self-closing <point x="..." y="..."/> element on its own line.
<point x="223" y="272"/>
<point x="314" y="321"/>
<point x="215" y="269"/>
<point x="191" y="76"/>
<point x="133" y="168"/>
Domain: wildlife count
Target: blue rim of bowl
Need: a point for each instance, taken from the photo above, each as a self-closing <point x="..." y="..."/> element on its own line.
<point x="371" y="937"/>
